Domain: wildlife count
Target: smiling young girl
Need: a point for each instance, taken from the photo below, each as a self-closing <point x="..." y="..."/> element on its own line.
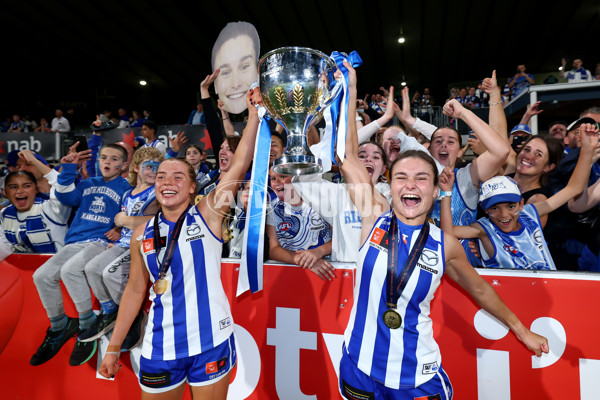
<point x="31" y="224"/>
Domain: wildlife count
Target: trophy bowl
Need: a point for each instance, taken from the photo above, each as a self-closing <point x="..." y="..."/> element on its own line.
<point x="297" y="85"/>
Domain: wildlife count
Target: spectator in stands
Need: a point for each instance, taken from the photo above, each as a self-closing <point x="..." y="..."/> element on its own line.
<point x="210" y="181"/>
<point x="374" y="104"/>
<point x="520" y="81"/>
<point x="107" y="273"/>
<point x="462" y="96"/>
<point x="511" y="234"/>
<point x="137" y="120"/>
<point x="44" y="126"/>
<point x="416" y="99"/>
<point x="568" y="233"/>
<point x="235" y="54"/>
<point x="105" y="116"/>
<point x="146" y="115"/>
<point x="597" y="72"/>
<point x="31" y="224"/>
<point x="577" y="73"/>
<point x="36" y="165"/>
<point x="538" y="156"/>
<point x="332" y="202"/>
<point x="5" y="124"/>
<point x="297" y="234"/>
<point x="482" y="95"/>
<point x="558" y="130"/>
<point x="197" y="116"/>
<point x="590" y="115"/>
<point x="17" y="125"/>
<point x="446" y="148"/>
<point x="98" y="200"/>
<point x="518" y="135"/>
<point x="123" y="119"/>
<point x="454" y="93"/>
<point x="30" y="124"/>
<point x="472" y="100"/>
<point x="366" y="109"/>
<point x="60" y="123"/>
<point x="427" y="99"/>
<point x="149" y="129"/>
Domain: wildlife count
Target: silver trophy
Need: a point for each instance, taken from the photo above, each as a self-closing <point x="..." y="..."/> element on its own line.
<point x="297" y="84"/>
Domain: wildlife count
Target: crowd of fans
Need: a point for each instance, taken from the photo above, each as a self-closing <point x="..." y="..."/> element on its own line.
<point x="523" y="202"/>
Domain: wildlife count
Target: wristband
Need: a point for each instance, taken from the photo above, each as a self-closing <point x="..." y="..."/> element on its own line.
<point x="117" y="353"/>
<point x="495" y="104"/>
<point x="113" y="349"/>
<point x="443" y="194"/>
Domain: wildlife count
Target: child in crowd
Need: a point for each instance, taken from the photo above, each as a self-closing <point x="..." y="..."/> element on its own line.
<point x="31" y="224"/>
<point x="297" y="234"/>
<point x="149" y="129"/>
<point x="107" y="273"/>
<point x="98" y="200"/>
<point x="511" y="234"/>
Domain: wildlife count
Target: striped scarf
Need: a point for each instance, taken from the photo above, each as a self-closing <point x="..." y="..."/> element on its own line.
<point x="35" y="237"/>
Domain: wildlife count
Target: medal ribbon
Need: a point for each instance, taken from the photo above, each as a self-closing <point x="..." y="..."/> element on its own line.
<point x="171" y="245"/>
<point x="395" y="283"/>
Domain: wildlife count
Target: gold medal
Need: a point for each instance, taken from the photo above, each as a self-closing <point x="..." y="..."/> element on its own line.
<point x="160" y="286"/>
<point x="392" y="319"/>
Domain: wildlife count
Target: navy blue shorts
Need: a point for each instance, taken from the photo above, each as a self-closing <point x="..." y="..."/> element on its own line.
<point x="356" y="385"/>
<point x="203" y="369"/>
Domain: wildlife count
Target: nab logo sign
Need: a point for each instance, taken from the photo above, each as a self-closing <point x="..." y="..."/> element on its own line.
<point x="31" y="144"/>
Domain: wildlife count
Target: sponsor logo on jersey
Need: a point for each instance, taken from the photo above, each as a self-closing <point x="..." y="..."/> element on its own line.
<point x="432" y="397"/>
<point x="193" y="229"/>
<point x="378" y="235"/>
<point x="284" y="226"/>
<point x="430" y="368"/>
<point x="194" y="238"/>
<point x="148" y="245"/>
<point x="155" y="380"/>
<point x="429" y="257"/>
<point x="224" y="323"/>
<point x="216" y="366"/>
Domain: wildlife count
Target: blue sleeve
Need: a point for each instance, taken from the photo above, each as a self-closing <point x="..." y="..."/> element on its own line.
<point x="94" y="144"/>
<point x="66" y="191"/>
<point x="171" y="154"/>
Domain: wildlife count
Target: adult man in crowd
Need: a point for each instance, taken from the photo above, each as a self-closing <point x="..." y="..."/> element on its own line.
<point x="577" y="74"/>
<point x="60" y="123"/>
<point x="521" y="81"/>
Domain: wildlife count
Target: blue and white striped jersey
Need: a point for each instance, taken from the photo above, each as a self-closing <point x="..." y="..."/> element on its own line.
<point x="192" y="316"/>
<point x="298" y="227"/>
<point x="134" y="206"/>
<point x="522" y="249"/>
<point x="408" y="356"/>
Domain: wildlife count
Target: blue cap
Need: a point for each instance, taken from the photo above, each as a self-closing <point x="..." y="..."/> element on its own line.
<point x="13" y="156"/>
<point x="499" y="189"/>
<point x="521" y="128"/>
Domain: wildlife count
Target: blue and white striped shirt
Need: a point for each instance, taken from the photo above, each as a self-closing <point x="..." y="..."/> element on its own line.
<point x="193" y="315"/>
<point x="408" y="356"/>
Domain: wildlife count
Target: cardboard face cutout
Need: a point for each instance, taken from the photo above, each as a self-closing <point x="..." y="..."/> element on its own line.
<point x="236" y="52"/>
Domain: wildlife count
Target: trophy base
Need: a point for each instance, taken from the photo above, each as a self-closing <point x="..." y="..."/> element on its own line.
<point x="297" y="165"/>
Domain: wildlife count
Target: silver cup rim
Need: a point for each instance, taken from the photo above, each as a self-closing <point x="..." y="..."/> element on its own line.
<point x="290" y="49"/>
